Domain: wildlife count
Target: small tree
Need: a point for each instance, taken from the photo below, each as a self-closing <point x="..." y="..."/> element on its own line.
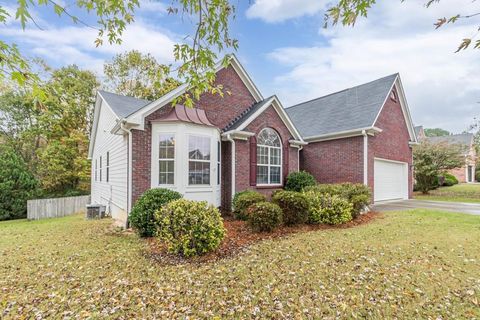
<point x="431" y="160"/>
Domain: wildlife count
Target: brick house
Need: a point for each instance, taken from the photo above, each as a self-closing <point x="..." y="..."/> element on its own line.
<point x="466" y="143"/>
<point x="362" y="134"/>
<point x="241" y="141"/>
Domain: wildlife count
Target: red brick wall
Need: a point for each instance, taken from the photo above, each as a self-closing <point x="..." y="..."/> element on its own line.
<point x="268" y="119"/>
<point x="334" y="161"/>
<point x="392" y="143"/>
<point x="459" y="173"/>
<point x="220" y="112"/>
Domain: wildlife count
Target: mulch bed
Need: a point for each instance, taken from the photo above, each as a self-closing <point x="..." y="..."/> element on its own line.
<point x="239" y="237"/>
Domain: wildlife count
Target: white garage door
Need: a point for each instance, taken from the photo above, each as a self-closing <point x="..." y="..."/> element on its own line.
<point x="391" y="180"/>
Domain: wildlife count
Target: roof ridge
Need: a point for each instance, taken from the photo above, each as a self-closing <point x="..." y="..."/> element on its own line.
<point x="337" y="92"/>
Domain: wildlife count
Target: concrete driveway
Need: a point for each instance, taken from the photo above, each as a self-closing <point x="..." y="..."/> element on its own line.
<point x="470" y="208"/>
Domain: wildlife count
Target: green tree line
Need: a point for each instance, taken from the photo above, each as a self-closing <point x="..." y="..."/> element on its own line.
<point x="44" y="142"/>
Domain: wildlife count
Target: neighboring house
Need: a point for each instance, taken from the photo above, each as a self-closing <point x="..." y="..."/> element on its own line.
<point x="362" y="134"/>
<point x="245" y="141"/>
<point x="466" y="142"/>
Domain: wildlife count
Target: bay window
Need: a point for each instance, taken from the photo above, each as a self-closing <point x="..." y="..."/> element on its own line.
<point x="166" y="159"/>
<point x="198" y="160"/>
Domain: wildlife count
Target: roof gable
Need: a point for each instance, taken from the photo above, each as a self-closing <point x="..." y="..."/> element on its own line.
<point x="257" y="109"/>
<point x="137" y="117"/>
<point x="349" y="109"/>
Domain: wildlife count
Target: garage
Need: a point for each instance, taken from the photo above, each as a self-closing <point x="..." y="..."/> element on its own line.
<point x="390" y="180"/>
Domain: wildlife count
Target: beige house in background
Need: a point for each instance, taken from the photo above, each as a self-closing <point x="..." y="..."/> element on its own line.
<point x="466" y="173"/>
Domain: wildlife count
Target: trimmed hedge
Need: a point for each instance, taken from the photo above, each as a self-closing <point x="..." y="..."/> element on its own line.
<point x="243" y="200"/>
<point x="357" y="194"/>
<point x="294" y="206"/>
<point x="449" y="180"/>
<point x="297" y="181"/>
<point x="329" y="209"/>
<point x="264" y="216"/>
<point x="189" y="227"/>
<point x="142" y="217"/>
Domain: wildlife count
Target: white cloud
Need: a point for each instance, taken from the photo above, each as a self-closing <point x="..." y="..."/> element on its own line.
<point x="441" y="86"/>
<point x="73" y="44"/>
<point x="281" y="10"/>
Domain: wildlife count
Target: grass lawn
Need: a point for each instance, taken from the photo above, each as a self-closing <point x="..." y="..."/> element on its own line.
<point x="416" y="264"/>
<point x="456" y="193"/>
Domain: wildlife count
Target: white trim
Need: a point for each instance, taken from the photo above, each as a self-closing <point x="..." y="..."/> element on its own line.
<point x="138" y="117"/>
<point x="403" y="104"/>
<point x="365" y="158"/>
<point x="130" y="169"/>
<point x="390" y="160"/>
<point x="232" y="183"/>
<point x="268" y="164"/>
<point x="297" y="144"/>
<point x="237" y="134"/>
<point x="273" y="101"/>
<point x="343" y="134"/>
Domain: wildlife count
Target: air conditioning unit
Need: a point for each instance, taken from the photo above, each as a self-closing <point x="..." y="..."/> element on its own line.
<point x="95" y="211"/>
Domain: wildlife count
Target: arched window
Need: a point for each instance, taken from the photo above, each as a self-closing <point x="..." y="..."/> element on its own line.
<point x="269" y="157"/>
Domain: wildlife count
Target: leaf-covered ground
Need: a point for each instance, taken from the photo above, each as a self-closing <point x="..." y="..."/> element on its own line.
<point x="457" y="193"/>
<point x="417" y="264"/>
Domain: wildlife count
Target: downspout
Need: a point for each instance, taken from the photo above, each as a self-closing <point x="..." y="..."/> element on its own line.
<point x="365" y="157"/>
<point x="229" y="138"/>
<point x="300" y="148"/>
<point x="129" y="169"/>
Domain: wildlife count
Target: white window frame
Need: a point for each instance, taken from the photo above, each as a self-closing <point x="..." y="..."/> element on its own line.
<point x="269" y="165"/>
<point x="167" y="159"/>
<point x="189" y="136"/>
<point x="100" y="168"/>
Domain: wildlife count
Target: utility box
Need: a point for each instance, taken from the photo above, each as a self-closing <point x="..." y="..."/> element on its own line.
<point x="95" y="211"/>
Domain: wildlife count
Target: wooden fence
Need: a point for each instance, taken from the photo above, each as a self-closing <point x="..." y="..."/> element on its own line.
<point x="56" y="207"/>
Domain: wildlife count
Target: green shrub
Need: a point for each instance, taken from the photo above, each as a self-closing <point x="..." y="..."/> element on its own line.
<point x="449" y="180"/>
<point x="294" y="206"/>
<point x="189" y="227"/>
<point x="264" y="216"/>
<point x="142" y="217"/>
<point x="359" y="195"/>
<point x="243" y="200"/>
<point x="297" y="181"/>
<point x="329" y="209"/>
<point x="17" y="185"/>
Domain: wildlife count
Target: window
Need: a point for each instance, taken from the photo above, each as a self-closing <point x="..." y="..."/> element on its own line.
<point x="100" y="169"/>
<point x="269" y="157"/>
<point x="107" y="167"/>
<point x="96" y="169"/>
<point x="198" y="160"/>
<point x="166" y="158"/>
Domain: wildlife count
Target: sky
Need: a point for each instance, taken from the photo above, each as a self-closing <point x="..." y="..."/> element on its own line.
<point x="287" y="52"/>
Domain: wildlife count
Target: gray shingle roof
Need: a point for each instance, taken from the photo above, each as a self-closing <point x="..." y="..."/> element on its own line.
<point x="464" y="139"/>
<point x="237" y="122"/>
<point x="349" y="109"/>
<point x="123" y="105"/>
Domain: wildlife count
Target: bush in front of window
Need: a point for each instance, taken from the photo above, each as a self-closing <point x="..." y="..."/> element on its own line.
<point x="243" y="200"/>
<point x="297" y="181"/>
<point x="328" y="209"/>
<point x="264" y="216"/>
<point x="142" y="217"/>
<point x="294" y="206"/>
<point x="189" y="227"/>
<point x="359" y="195"/>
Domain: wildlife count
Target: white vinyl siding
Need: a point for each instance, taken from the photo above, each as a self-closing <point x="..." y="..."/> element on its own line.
<point x="110" y="148"/>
